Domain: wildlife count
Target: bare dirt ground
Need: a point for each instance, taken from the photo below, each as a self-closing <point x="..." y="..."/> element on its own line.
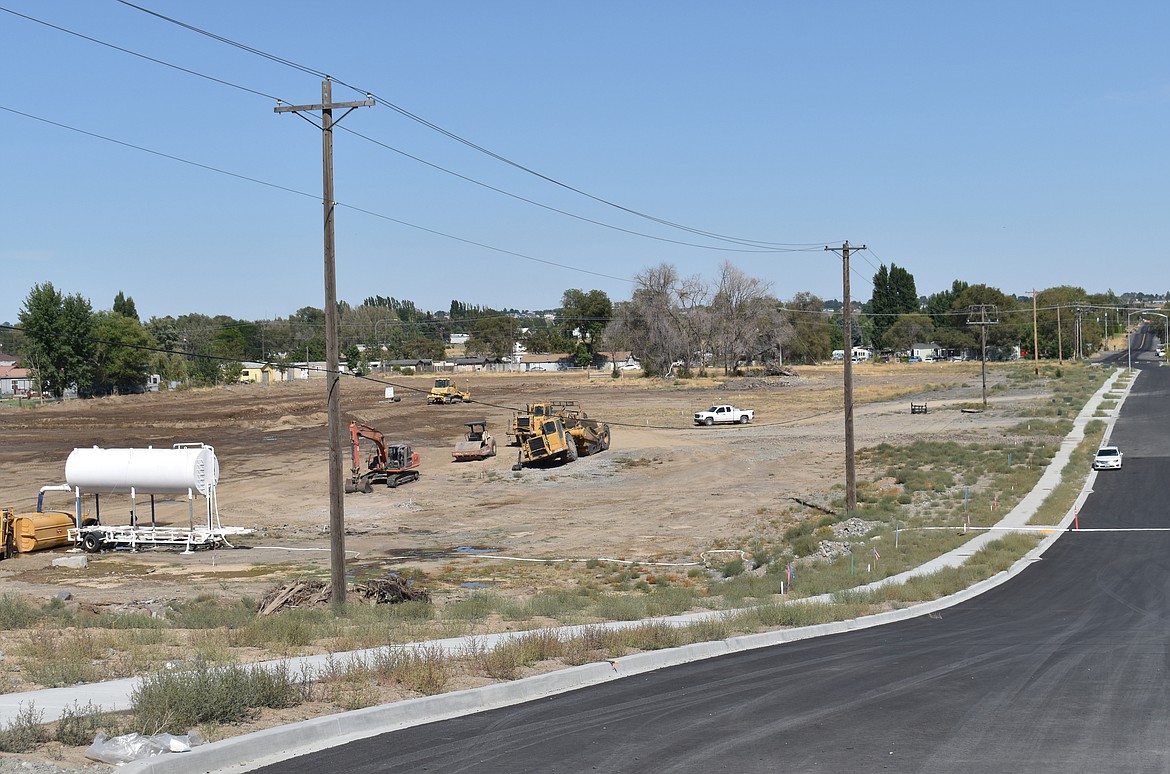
<point x="665" y="491"/>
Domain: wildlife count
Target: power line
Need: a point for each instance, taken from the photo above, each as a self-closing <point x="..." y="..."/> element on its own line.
<point x="314" y="196"/>
<point x="155" y="60"/>
<point x="451" y="135"/>
<point x="374" y="141"/>
<point x="566" y="213"/>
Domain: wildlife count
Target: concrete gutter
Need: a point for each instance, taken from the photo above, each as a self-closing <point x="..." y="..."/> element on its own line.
<point x="254" y="750"/>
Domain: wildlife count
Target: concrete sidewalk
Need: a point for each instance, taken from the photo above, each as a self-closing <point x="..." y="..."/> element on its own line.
<point x="253" y="750"/>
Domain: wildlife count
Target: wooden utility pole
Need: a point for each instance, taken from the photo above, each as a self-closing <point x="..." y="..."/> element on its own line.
<point x="1035" y="334"/>
<point x="332" y="356"/>
<point x="847" y="324"/>
<point x="1059" y="338"/>
<point x="982" y="311"/>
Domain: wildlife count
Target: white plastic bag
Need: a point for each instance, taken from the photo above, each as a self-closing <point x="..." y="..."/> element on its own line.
<point x="133" y="747"/>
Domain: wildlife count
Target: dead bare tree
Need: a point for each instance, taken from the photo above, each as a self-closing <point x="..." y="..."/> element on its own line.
<point x="739" y="305"/>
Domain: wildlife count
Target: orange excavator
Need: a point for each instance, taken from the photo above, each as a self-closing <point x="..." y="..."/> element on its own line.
<point x="389" y="464"/>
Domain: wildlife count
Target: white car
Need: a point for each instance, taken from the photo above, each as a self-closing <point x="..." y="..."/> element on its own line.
<point x="1108" y="458"/>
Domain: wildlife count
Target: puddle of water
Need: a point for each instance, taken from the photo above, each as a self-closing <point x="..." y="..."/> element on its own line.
<point x="473" y="550"/>
<point x="477" y="585"/>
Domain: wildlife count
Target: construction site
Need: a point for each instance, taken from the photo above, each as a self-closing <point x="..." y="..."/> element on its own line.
<point x="620" y="473"/>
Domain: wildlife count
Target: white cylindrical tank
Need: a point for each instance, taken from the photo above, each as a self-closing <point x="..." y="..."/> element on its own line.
<point x="147" y="471"/>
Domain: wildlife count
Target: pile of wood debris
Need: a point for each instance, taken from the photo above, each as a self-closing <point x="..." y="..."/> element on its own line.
<point x="380" y="591"/>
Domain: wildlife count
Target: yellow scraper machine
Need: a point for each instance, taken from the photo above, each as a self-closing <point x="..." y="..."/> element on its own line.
<point x="524" y="422"/>
<point x="561" y="437"/>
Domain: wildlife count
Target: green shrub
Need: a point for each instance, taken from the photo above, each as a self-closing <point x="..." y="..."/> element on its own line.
<point x="175" y="701"/>
<point x="25" y="731"/>
<point x="15" y="613"/>
<point x="78" y="725"/>
<point x="733" y="568"/>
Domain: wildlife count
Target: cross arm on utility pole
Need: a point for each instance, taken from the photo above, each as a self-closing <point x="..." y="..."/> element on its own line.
<point x="330" y="106"/>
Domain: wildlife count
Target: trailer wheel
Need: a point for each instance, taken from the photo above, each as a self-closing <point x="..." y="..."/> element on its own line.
<point x="91" y="542"/>
<point x="605" y="439"/>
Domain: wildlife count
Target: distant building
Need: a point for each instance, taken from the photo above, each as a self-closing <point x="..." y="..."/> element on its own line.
<point x="260" y="373"/>
<point x="622" y="361"/>
<point x="14" y="381"/>
<point x="553" y="362"/>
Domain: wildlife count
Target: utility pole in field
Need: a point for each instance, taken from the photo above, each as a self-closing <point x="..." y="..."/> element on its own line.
<point x="979" y="314"/>
<point x="1035" y="334"/>
<point x="847" y="324"/>
<point x="332" y="356"/>
<point x="1059" y="338"/>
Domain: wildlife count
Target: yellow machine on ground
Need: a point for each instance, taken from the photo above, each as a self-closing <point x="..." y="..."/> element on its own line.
<point x="26" y="532"/>
<point x="523" y="423"/>
<point x="7" y="536"/>
<point x="563" y="439"/>
<point x="479" y="444"/>
<point x="445" y="391"/>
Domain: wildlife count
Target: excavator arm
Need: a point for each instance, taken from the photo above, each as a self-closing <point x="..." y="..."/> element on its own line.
<point x="358" y="431"/>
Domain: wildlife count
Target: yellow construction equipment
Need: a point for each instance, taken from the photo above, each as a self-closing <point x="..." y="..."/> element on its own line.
<point x="445" y="391"/>
<point x="26" y="532"/>
<point x="479" y="444"/>
<point x="563" y="439"/>
<point x="524" y="422"/>
<point x="7" y="537"/>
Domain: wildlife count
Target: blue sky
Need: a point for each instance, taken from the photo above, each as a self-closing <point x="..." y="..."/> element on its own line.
<point x="1020" y="144"/>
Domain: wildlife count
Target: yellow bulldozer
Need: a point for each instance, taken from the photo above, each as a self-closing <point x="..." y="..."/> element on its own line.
<point x="445" y="391"/>
<point x="562" y="439"/>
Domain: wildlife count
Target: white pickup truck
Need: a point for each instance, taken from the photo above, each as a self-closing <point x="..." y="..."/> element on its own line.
<point x="724" y="414"/>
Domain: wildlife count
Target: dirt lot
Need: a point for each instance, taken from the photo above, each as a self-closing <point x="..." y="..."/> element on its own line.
<point x="665" y="491"/>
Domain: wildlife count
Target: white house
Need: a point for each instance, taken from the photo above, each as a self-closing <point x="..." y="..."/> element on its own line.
<point x="14" y="381"/>
<point x="929" y="351"/>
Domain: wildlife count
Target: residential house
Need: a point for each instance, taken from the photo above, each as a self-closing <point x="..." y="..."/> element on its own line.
<point x="417" y="363"/>
<point x="8" y="360"/>
<point x="470" y="363"/>
<point x="261" y="373"/>
<point x="929" y="351"/>
<point x="622" y="361"/>
<point x="553" y="362"/>
<point x="313" y="369"/>
<point x="14" y="381"/>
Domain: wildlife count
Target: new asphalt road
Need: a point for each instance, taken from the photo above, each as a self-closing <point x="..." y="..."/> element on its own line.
<point x="1064" y="669"/>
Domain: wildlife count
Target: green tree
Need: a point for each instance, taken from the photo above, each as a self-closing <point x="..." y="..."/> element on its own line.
<point x="356" y="360"/>
<point x="124" y="306"/>
<point x="894" y="294"/>
<point x="810" y="340"/>
<point x="122" y="356"/>
<point x="586" y="313"/>
<point x="491" y="336"/>
<point x="908" y="330"/>
<point x="57" y="338"/>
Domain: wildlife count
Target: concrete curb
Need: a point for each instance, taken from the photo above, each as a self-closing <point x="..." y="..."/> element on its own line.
<point x="254" y="750"/>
